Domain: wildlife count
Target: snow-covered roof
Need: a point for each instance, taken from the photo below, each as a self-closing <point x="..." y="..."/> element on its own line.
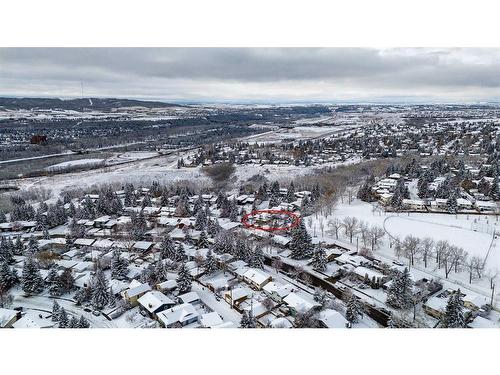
<point x="143" y="245"/>
<point x="332" y="319"/>
<point x="362" y="271"/>
<point x="437" y="304"/>
<point x="32" y="321"/>
<point x="135" y="291"/>
<point x="480" y="322"/>
<point x="256" y="276"/>
<point x="239" y="293"/>
<point x="153" y="300"/>
<point x="189" y="297"/>
<point x="104" y="243"/>
<point x="281" y="323"/>
<point x="177" y="234"/>
<point x="281" y="240"/>
<point x="210" y="320"/>
<point x="180" y="313"/>
<point x="299" y="302"/>
<point x="475" y="300"/>
<point x="169" y="284"/>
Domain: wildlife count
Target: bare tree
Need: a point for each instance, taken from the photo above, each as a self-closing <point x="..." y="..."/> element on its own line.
<point x="375" y="235"/>
<point x="335" y="224"/>
<point x="411" y="248"/>
<point x="492" y="276"/>
<point x="364" y="231"/>
<point x="351" y="193"/>
<point x="426" y="246"/>
<point x="471" y="264"/>
<point x="451" y="257"/>
<point x="440" y="250"/>
<point x="322" y="227"/>
<point x="351" y="227"/>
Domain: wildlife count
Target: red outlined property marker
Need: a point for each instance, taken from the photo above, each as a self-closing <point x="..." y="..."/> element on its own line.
<point x="294" y="220"/>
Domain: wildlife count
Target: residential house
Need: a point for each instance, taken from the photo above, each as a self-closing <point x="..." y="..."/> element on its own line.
<point x="178" y="316"/>
<point x="153" y="302"/>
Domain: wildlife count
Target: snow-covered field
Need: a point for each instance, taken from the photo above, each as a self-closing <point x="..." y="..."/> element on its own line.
<point x="74" y="163"/>
<point x="475" y="243"/>
<point x="163" y="169"/>
<point x="456" y="229"/>
<point x="296" y="133"/>
<point x="131" y="156"/>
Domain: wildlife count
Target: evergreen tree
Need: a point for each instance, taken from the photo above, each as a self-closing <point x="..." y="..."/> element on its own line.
<point x="83" y="323"/>
<point x="315" y="193"/>
<point x="203" y="240"/>
<point x="494" y="190"/>
<point x="99" y="285"/>
<point x="73" y="323"/>
<point x="201" y="220"/>
<point x="129" y="199"/>
<point x="6" y="253"/>
<point x="3" y="218"/>
<point x="198" y="204"/>
<point x="63" y="318"/>
<point x="31" y="280"/>
<point x="55" y="311"/>
<point x="257" y="258"/>
<point x="160" y="271"/>
<point x="400" y="292"/>
<point x="83" y="295"/>
<point x="18" y="246"/>
<point x="67" y="280"/>
<point x="88" y="210"/>
<point x="146" y="202"/>
<point x="241" y="250"/>
<point x="451" y="203"/>
<point x="8" y="276"/>
<point x="180" y="253"/>
<point x="167" y="248"/>
<point x="290" y="193"/>
<point x="365" y="192"/>
<point x="111" y="298"/>
<point x="353" y="310"/>
<point x="233" y="211"/>
<point x="119" y="266"/>
<point x="53" y="283"/>
<point x="318" y="261"/>
<point x="32" y="248"/>
<point x="184" y="279"/>
<point x="210" y="263"/>
<point x="274" y="200"/>
<point x="139" y="226"/>
<point x="300" y="245"/>
<point x="247" y="320"/>
<point x="454" y="316"/>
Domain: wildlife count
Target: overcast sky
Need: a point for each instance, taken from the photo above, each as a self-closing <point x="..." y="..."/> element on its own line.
<point x="250" y="74"/>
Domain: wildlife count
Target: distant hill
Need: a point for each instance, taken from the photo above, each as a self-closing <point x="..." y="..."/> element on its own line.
<point x="99" y="104"/>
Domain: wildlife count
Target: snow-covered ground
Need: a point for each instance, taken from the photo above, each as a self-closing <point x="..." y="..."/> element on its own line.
<point x="456" y="229"/>
<point x="163" y="169"/>
<point x="74" y="163"/>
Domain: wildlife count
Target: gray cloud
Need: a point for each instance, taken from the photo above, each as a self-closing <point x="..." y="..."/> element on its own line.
<point x="252" y="73"/>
